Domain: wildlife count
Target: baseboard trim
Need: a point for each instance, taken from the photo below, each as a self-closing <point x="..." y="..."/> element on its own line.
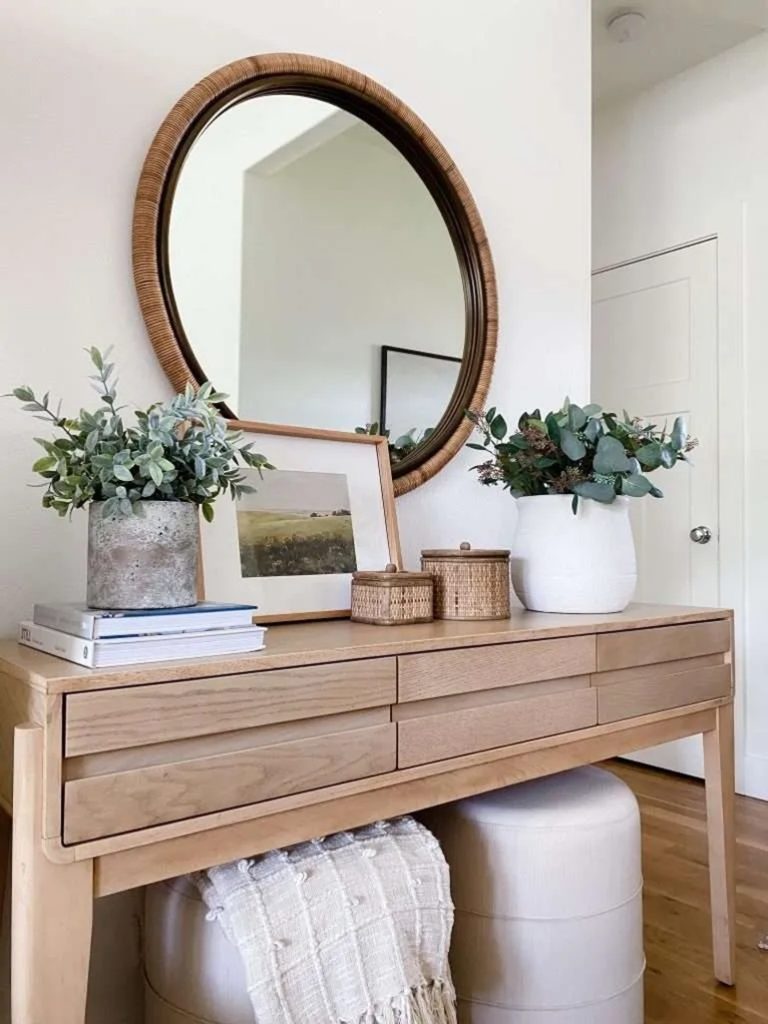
<point x="755" y="777"/>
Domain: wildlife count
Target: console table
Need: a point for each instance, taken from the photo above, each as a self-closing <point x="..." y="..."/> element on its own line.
<point x="120" y="777"/>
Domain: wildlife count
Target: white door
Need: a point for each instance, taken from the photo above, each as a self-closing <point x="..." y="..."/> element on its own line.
<point x="654" y="353"/>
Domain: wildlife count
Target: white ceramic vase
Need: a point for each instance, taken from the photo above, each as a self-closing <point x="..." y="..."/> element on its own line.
<point x="563" y="562"/>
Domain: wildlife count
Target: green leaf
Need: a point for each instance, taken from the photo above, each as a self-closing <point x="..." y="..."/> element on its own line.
<point x="156" y="473"/>
<point x="610" y="456"/>
<point x="576" y="417"/>
<point x="649" y="455"/>
<point x="207" y="508"/>
<point x="636" y="485"/>
<point x="44" y="464"/>
<point x="572" y="446"/>
<point x="122" y="472"/>
<point x="575" y="504"/>
<point x="593" y="430"/>
<point x="477" y="447"/>
<point x="593" y="410"/>
<point x="668" y="456"/>
<point x="553" y="428"/>
<point x="679" y="434"/>
<point x="498" y="427"/>
<point x="598" y="492"/>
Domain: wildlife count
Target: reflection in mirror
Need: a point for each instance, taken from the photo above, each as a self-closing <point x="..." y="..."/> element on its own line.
<point x="301" y="245"/>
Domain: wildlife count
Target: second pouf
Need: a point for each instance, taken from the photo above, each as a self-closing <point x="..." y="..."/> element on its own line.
<point x="547" y="885"/>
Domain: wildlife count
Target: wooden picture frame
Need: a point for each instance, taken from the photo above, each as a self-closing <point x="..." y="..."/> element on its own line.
<point x="371" y="531"/>
<point x="304" y="75"/>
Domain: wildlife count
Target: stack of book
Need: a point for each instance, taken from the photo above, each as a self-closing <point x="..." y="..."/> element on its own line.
<point x="100" y="639"/>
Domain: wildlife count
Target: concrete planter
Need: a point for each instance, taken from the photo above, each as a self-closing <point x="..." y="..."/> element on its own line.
<point x="563" y="562"/>
<point x="145" y="561"/>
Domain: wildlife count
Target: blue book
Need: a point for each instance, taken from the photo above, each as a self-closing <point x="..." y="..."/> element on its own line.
<point x="96" y="624"/>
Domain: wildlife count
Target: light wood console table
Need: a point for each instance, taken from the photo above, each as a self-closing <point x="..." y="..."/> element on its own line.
<point x="118" y="778"/>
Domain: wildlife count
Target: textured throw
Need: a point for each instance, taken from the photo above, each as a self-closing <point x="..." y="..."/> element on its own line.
<point x="349" y="929"/>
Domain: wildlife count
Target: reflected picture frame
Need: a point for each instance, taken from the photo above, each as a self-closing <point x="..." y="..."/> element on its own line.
<point x="326" y="510"/>
<point x="390" y="354"/>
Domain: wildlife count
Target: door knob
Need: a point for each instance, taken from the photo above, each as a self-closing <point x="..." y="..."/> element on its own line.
<point x="701" y="535"/>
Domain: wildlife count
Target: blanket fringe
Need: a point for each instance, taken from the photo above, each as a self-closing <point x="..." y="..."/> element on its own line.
<point x="433" y="1002"/>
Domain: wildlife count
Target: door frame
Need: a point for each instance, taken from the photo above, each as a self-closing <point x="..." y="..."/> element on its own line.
<point x="728" y="237"/>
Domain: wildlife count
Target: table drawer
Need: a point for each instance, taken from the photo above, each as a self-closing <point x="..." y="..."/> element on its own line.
<point x="449" y="727"/>
<point x="137" y="715"/>
<point x="441" y="673"/>
<point x="103" y="802"/>
<point x="634" y="647"/>
<point x="672" y="685"/>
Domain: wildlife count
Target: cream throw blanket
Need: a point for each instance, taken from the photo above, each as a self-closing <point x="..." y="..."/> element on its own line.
<point x="349" y="929"/>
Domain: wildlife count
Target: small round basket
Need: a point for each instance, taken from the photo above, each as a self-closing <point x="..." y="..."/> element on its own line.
<point x="392" y="597"/>
<point x="469" y="583"/>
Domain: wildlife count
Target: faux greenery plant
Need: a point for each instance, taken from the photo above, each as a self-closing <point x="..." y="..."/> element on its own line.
<point x="181" y="450"/>
<point x="586" y="452"/>
<point x="403" y="445"/>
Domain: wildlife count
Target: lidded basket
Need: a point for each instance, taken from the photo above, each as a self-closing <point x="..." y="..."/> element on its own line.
<point x="470" y="583"/>
<point x="391" y="597"/>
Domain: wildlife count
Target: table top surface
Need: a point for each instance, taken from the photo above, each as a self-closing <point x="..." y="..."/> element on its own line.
<point x="313" y="643"/>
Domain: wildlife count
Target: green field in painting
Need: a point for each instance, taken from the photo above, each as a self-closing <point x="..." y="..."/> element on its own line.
<point x="295" y="544"/>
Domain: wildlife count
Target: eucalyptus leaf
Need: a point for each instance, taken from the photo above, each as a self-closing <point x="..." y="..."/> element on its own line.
<point x="610" y="456"/>
<point x="586" y="452"/>
<point x="572" y="446"/>
<point x="636" y="485"/>
<point x="499" y="427"/>
<point x="679" y="434"/>
<point x="576" y="417"/>
<point x="603" y="493"/>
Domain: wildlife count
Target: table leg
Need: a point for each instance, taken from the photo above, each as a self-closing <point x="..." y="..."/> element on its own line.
<point x="5" y="855"/>
<point x="52" y="906"/>
<point x="719" y="775"/>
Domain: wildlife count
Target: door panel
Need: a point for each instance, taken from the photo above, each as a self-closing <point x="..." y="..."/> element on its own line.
<point x="654" y="353"/>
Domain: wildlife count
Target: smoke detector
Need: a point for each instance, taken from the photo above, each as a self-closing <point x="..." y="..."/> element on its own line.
<point x="626" y="26"/>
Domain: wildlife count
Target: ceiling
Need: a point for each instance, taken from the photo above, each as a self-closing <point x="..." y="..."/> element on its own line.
<point x="676" y="35"/>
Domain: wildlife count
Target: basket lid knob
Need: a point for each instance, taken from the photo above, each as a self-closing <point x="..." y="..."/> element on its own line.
<point x="465" y="546"/>
<point x="390" y="567"/>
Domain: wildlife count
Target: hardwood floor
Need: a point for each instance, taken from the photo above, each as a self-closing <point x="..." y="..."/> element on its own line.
<point x="679" y="984"/>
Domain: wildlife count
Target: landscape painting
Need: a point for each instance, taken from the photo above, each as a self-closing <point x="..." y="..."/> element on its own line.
<point x="296" y="524"/>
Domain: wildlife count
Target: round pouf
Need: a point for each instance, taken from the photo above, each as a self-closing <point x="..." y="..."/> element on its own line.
<point x="547" y="884"/>
<point x="200" y="980"/>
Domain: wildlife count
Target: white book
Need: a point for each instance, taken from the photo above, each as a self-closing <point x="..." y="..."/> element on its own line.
<point x="138" y="650"/>
<point x="95" y="624"/>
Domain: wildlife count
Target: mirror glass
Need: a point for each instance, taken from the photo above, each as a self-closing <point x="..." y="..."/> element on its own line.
<point x="313" y="275"/>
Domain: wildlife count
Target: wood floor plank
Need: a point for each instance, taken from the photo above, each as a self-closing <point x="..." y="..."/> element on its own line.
<point x="680" y="988"/>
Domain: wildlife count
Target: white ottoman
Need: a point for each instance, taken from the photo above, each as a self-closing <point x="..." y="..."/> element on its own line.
<point x="547" y="884"/>
<point x="200" y="980"/>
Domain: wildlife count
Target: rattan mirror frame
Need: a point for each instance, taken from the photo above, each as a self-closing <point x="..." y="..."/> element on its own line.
<point x="350" y="90"/>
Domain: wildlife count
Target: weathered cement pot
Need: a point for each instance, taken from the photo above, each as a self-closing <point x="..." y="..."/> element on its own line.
<point x="147" y="561"/>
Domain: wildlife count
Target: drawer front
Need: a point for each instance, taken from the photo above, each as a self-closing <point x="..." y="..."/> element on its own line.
<point x="669" y="686"/>
<point x="441" y="673"/>
<point x="634" y="647"/>
<point x="124" y="801"/>
<point x="466" y="730"/>
<point x="134" y="716"/>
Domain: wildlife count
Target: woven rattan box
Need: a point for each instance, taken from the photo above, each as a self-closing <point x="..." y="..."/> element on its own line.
<point x="470" y="583"/>
<point x="391" y="597"/>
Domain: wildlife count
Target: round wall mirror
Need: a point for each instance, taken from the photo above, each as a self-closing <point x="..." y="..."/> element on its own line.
<point x="305" y="243"/>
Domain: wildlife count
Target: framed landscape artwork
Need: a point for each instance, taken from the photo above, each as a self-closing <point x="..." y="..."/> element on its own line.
<point x="291" y="546"/>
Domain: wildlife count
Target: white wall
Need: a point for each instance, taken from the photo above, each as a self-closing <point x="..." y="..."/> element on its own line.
<point x="687" y="159"/>
<point x="505" y="86"/>
<point x="205" y="231"/>
<point x="344" y="250"/>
